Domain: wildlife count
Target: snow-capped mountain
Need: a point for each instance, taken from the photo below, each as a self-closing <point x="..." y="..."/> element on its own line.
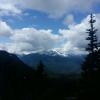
<point x="54" y="60"/>
<point x="53" y="52"/>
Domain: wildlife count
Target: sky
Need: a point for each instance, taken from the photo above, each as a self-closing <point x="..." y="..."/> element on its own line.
<point x="28" y="26"/>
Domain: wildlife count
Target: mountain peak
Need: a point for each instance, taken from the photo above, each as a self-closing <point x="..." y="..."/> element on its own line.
<point x="51" y="52"/>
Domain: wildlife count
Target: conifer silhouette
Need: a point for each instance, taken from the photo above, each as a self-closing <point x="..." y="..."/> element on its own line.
<point x="90" y="64"/>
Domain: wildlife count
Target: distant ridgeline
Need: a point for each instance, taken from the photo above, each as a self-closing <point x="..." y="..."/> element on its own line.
<point x="54" y="62"/>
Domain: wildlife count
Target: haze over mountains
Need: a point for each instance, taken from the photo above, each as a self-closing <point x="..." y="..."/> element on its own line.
<point x="55" y="61"/>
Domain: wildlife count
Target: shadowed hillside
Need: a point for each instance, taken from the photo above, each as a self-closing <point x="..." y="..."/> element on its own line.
<point x="20" y="82"/>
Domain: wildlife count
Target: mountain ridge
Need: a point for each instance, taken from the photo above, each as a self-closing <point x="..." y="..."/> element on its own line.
<point x="54" y="62"/>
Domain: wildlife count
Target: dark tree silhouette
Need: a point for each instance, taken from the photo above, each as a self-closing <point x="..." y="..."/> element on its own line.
<point x="90" y="64"/>
<point x="90" y="67"/>
<point x="40" y="80"/>
<point x="40" y="72"/>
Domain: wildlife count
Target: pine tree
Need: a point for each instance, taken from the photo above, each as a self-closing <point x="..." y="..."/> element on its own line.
<point x="91" y="62"/>
<point x="40" y="72"/>
<point x="93" y="45"/>
<point x="90" y="84"/>
<point x="41" y="79"/>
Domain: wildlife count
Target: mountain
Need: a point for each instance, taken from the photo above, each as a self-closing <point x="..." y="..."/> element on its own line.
<point x="54" y="61"/>
<point x="13" y="74"/>
<point x="9" y="62"/>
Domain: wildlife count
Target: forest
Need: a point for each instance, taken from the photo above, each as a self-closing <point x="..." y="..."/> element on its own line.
<point x="18" y="81"/>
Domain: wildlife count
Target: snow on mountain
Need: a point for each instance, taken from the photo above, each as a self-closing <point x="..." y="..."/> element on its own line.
<point x="53" y="52"/>
<point x="55" y="61"/>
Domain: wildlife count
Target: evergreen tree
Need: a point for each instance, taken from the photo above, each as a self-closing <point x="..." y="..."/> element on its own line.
<point x="93" y="45"/>
<point x="40" y="82"/>
<point x="90" y="64"/>
<point x="40" y="72"/>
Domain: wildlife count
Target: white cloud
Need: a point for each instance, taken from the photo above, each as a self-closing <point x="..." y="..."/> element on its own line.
<point x="75" y="36"/>
<point x="55" y="8"/>
<point x="31" y="39"/>
<point x="8" y="9"/>
<point x="26" y="40"/>
<point x="5" y="30"/>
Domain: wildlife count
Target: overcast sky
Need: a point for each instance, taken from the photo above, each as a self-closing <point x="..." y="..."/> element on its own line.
<point x="34" y="25"/>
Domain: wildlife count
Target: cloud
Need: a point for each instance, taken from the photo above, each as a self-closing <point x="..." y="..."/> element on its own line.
<point x="31" y="39"/>
<point x="54" y="8"/>
<point x="69" y="20"/>
<point x="9" y="9"/>
<point x="57" y="8"/>
<point x="27" y="40"/>
<point x="75" y="35"/>
<point x="5" y="30"/>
